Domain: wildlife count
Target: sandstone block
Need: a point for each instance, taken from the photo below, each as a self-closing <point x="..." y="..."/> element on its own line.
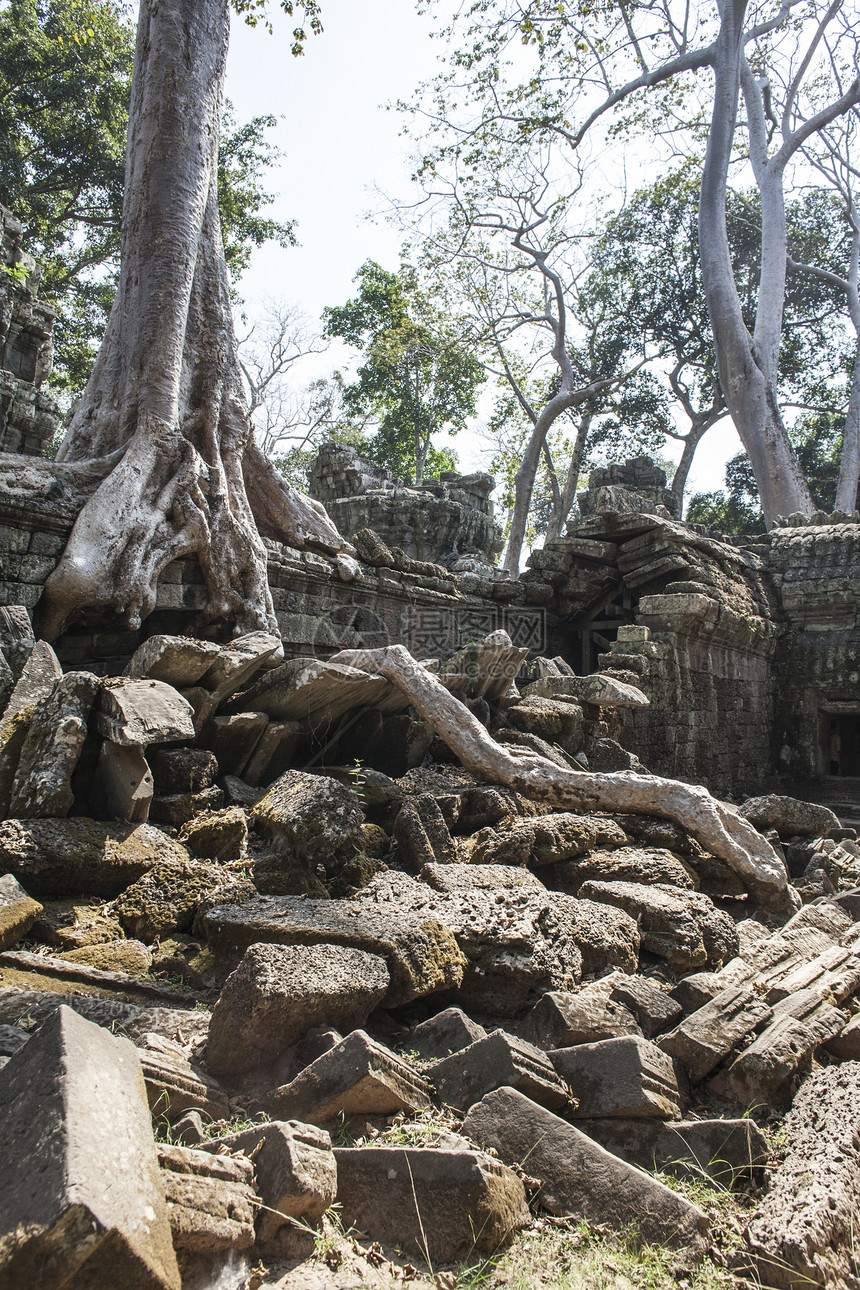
<point x="177" y="660"/>
<point x="234" y="739"/>
<point x="183" y="770"/>
<point x="620" y="1077"/>
<point x="81" y="857"/>
<point x="238" y="663"/>
<point x="216" y="835"/>
<point x="578" y="1177"/>
<point x="357" y="1076"/>
<point x="210" y="1201"/>
<point x="278" y="992"/>
<point x="448" y="1032"/>
<point x="464" y="1078"/>
<point x="441" y="1204"/>
<point x="684" y="927"/>
<point x="721" y="1149"/>
<point x="654" y="1009"/>
<point x="80" y="1191"/>
<point x="122" y="785"/>
<point x="561" y="1019"/>
<point x="710" y="1034"/>
<point x="18" y="911"/>
<point x="168" y="895"/>
<point x="142" y="712"/>
<point x="50" y="753"/>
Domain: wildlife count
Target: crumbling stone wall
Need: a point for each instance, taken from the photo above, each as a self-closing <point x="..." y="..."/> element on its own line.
<point x="443" y="521"/>
<point x="29" y="418"/>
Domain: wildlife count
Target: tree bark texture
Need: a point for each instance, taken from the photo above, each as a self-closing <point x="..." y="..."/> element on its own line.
<point x="747" y="365"/>
<point x="719" y="828"/>
<point x="165" y="396"/>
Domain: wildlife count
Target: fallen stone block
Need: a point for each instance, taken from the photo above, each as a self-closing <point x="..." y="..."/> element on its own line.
<point x="278" y="992"/>
<point x="179" y="808"/>
<point x="578" y="1177"/>
<point x="142" y="712"/>
<point x="422" y="835"/>
<point x="684" y="927"/>
<point x="706" y="1037"/>
<point x="545" y="839"/>
<point x="37" y="679"/>
<point x="167" y="897"/>
<point x="274" y="752"/>
<point x="124" y="955"/>
<point x="183" y="770"/>
<point x="122" y="785"/>
<point x="802" y="1024"/>
<point x="234" y="739"/>
<point x="295" y="1170"/>
<point x="789" y="816"/>
<point x="211" y="1203"/>
<point x="238" y="663"/>
<point x="216" y="835"/>
<point x="315" y="693"/>
<point x="723" y="1150"/>
<point x="50" y="752"/>
<point x="174" y="1086"/>
<point x="422" y="955"/>
<point x="136" y="1019"/>
<point x="12" y="737"/>
<point x="44" y="970"/>
<point x="620" y="1077"/>
<point x="803" y="1232"/>
<point x="846" y="1044"/>
<point x="835" y="973"/>
<point x="11" y="1039"/>
<point x="448" y="1032"/>
<point x="317" y="819"/>
<point x="561" y="1019"/>
<point x="456" y="879"/>
<point x="357" y="1076"/>
<point x="80" y="1193"/>
<point x="18" y="911"/>
<point x="464" y="1078"/>
<point x="694" y="991"/>
<point x="176" y="660"/>
<point x="654" y="1009"/>
<point x="442" y="1205"/>
<point x="647" y="867"/>
<point x="81" y="857"/>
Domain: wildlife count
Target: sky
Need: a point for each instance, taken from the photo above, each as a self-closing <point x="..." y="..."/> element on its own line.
<point x="342" y="148"/>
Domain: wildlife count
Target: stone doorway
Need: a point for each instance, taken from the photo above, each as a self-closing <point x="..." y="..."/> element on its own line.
<point x="841" y="745"/>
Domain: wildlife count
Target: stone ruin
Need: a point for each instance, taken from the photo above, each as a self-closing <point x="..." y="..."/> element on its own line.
<point x="29" y="417"/>
<point x="267" y="947"/>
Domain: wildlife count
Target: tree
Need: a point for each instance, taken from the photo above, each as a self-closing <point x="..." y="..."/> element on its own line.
<point x="597" y="75"/>
<point x="65" y="81"/>
<point x="416" y="379"/>
<point x="162" y="437"/>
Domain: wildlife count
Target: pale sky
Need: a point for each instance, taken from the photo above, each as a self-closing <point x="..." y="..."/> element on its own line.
<point x="339" y="144"/>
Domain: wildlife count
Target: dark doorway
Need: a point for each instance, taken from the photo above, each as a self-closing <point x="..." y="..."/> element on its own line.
<point x="842" y="745"/>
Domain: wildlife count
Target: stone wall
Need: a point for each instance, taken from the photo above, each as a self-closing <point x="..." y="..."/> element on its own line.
<point x="443" y="520"/>
<point x="29" y="418"/>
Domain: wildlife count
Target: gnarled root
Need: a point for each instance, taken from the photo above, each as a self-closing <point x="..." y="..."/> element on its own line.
<point x="719" y="828"/>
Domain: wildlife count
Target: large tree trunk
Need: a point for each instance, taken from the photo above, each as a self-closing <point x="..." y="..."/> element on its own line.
<point x="849" y="465"/>
<point x="718" y="827"/>
<point x="561" y="508"/>
<point x="165" y="394"/>
<point x="747" y="365"/>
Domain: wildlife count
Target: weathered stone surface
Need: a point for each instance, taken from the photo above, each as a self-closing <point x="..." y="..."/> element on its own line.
<point x="142" y="712"/>
<point x="578" y="1177"/>
<point x="546" y="839"/>
<point x="314" y="692"/>
<point x="602" y="691"/>
<point x="684" y="927"/>
<point x="694" y="991"/>
<point x="422" y="835"/>
<point x="42" y="785"/>
<point x="847" y="1043"/>
<point x="278" y="992"/>
<point x="239" y="662"/>
<point x="627" y="1076"/>
<point x="7" y="681"/>
<point x="18" y="911"/>
<point x="166" y="898"/>
<point x="802" y="1024"/>
<point x="448" y="1032"/>
<point x="459" y="878"/>
<point x="440" y="1204"/>
<point x="123" y="785"/>
<point x="273" y="752"/>
<point x="317" y="819"/>
<point x="357" y="1076"/>
<point x="803" y="1231"/>
<point x="210" y="1200"/>
<point x="561" y="1019"/>
<point x="234" y="739"/>
<point x="499" y="1059"/>
<point x="80" y="1192"/>
<point x="653" y="1009"/>
<point x="722" y="1149"/>
<point x="135" y="1020"/>
<point x="71" y="924"/>
<point x="295" y="1170"/>
<point x="82" y="857"/>
<point x="626" y="864"/>
<point x="38" y="677"/>
<point x="113" y="956"/>
<point x="12" y="736"/>
<point x="789" y="816"/>
<point x="216" y="835"/>
<point x="422" y="954"/>
<point x="483" y="669"/>
<point x="179" y="808"/>
<point x="707" y="1036"/>
<point x="45" y="970"/>
<point x="175" y="1086"/>
<point x="183" y="770"/>
<point x="551" y="719"/>
<point x="177" y="660"/>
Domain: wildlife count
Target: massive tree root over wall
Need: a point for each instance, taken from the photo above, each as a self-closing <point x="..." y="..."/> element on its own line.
<point x="719" y="828"/>
<point x="164" y="410"/>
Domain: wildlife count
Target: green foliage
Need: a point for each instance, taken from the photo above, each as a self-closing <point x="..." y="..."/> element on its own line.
<point x="416" y="378"/>
<point x="65" y="81"/>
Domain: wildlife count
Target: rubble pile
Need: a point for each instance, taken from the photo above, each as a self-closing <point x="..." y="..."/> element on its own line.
<point x="236" y="967"/>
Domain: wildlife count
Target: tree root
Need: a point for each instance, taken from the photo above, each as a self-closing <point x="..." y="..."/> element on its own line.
<point x="719" y="828"/>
